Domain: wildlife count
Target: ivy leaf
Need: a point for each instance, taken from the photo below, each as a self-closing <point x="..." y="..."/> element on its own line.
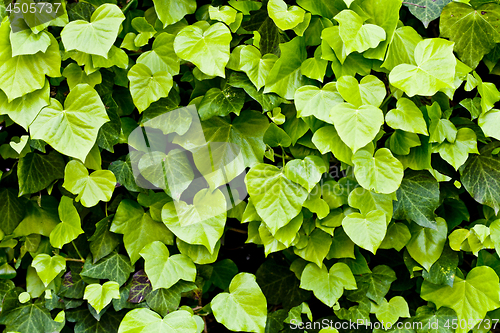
<point x="161" y="57"/>
<point x="36" y="171"/>
<point x="140" y="287"/>
<point x="98" y="35"/>
<point x="317" y="246"/>
<point x="114" y="267"/>
<point x="401" y="49"/>
<point x="457" y="153"/>
<point x="443" y="271"/>
<point x="315" y="68"/>
<point x="323" y="8"/>
<point x="75" y="75"/>
<point x="285" y="18"/>
<point x="327" y="139"/>
<point x="471" y="297"/>
<point x="207" y="49"/>
<point x="366" y="201"/>
<point x="61" y="127"/>
<point x="201" y="223"/>
<point x="356" y="126"/>
<point x="427" y="10"/>
<point x="164" y="270"/>
<point x="99" y="296"/>
<point x="147" y="87"/>
<point x="397" y="237"/>
<point x="429" y="316"/>
<point x="23" y="74"/>
<point x="374" y="285"/>
<point x="138" y="228"/>
<point x="357" y="36"/>
<point x="306" y="172"/>
<point x="426" y="244"/>
<point x="277" y="199"/>
<point x="434" y="64"/>
<point x="367" y="231"/>
<point x="382" y="172"/>
<point x="313" y="101"/>
<point x="418" y="198"/>
<point x="98" y="186"/>
<point x="103" y="241"/>
<point x="257" y="67"/>
<point x="218" y="102"/>
<point x="389" y="312"/>
<point x="165" y="301"/>
<point x="285" y="76"/>
<point x="327" y="285"/>
<point x="489" y="123"/>
<point x="480" y="177"/>
<point x="172" y="11"/>
<point x="69" y="228"/>
<point x="369" y="91"/>
<point x="244" y="308"/>
<point x="48" y="267"/>
<point x="407" y="117"/>
<point x="124" y="174"/>
<point x="23" y="110"/>
<point x="145" y="320"/>
<point x="474" y="30"/>
<point x="12" y="210"/>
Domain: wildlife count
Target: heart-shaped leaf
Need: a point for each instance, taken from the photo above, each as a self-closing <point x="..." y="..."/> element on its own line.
<point x="370" y="90"/>
<point x="48" y="267"/>
<point x="145" y="320"/>
<point x="99" y="296"/>
<point x="70" y="226"/>
<point x="244" y="308"/>
<point x="285" y="18"/>
<point x="407" y="117"/>
<point x="147" y="87"/>
<point x="366" y="231"/>
<point x="313" y="101"/>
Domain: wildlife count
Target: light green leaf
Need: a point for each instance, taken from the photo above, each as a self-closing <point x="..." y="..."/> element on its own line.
<point x="244" y="308"/>
<point x="356" y="35"/>
<point x="471" y="298"/>
<point x="313" y="101"/>
<point x="275" y="136"/>
<point x="366" y="231"/>
<point x="161" y="57"/>
<point x="146" y="31"/>
<point x="367" y="201"/>
<point x="23" y="110"/>
<point x="356" y="126"/>
<point x="71" y="130"/>
<point x="164" y="270"/>
<point x="382" y="172"/>
<point x="397" y="237"/>
<point x="370" y="90"/>
<point x="285" y="76"/>
<point x="147" y="87"/>
<point x="306" y="172"/>
<point x="224" y="14"/>
<point x="145" y="320"/>
<point x="23" y="74"/>
<point x="208" y="49"/>
<point x="316" y="247"/>
<point x="48" y="267"/>
<point x="401" y="49"/>
<point x="75" y="76"/>
<point x="407" y="117"/>
<point x="199" y="254"/>
<point x="172" y="11"/>
<point x="418" y="198"/>
<point x="426" y="245"/>
<point x="427" y="10"/>
<point x="99" y="296"/>
<point x="257" y="67"/>
<point x="138" y="228"/>
<point x="70" y="226"/>
<point x="202" y="222"/>
<point x="490" y="122"/>
<point x="276" y="198"/>
<point x="326" y="139"/>
<point x="98" y="186"/>
<point x="245" y="6"/>
<point x="457" y="153"/>
<point x="389" y="312"/>
<point x="96" y="36"/>
<point x="474" y="30"/>
<point x="434" y="69"/>
<point x="401" y="142"/>
<point x="315" y="68"/>
<point x="327" y="285"/>
<point x="374" y="285"/>
<point x="285" y="18"/>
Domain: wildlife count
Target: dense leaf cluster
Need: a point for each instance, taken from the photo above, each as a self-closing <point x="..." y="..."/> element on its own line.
<point x="329" y="162"/>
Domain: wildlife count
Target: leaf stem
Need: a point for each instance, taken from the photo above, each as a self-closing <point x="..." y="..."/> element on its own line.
<point x="79" y="254"/>
<point x="73" y="259"/>
<point x="238" y="230"/>
<point x="283" y="156"/>
<point x="413" y="4"/>
<point x="127" y="6"/>
<point x="386" y="100"/>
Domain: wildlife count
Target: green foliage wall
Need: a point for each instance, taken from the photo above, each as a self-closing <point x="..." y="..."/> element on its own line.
<point x="364" y="132"/>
